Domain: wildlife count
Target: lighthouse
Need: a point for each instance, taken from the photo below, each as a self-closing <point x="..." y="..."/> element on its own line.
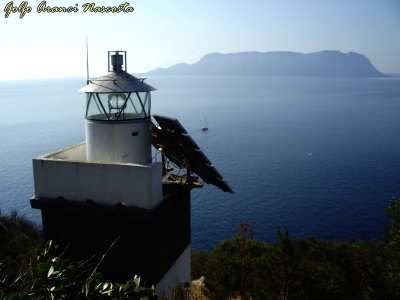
<point x="107" y="194"/>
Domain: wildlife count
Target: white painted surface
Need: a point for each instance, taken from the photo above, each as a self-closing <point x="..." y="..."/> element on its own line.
<point x="126" y="142"/>
<point x="64" y="173"/>
<point x="74" y="152"/>
<point x="178" y="273"/>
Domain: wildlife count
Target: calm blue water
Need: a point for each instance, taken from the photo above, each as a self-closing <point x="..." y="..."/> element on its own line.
<point x="321" y="156"/>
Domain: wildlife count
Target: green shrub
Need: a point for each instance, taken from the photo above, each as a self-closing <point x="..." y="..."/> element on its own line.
<point x="199" y="263"/>
<point x="19" y="240"/>
<point x="309" y="268"/>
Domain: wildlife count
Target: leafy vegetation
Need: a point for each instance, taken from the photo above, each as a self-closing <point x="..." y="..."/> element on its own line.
<point x="245" y="268"/>
<point x="19" y="239"/>
<point x="28" y="273"/>
<point x="54" y="278"/>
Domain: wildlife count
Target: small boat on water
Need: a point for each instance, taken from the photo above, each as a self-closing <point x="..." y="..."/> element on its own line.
<point x="205" y="128"/>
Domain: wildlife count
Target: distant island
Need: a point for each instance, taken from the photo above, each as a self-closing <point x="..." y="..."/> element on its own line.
<point x="319" y="64"/>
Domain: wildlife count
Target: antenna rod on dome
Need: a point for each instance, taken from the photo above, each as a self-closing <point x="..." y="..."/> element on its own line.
<point x="87" y="63"/>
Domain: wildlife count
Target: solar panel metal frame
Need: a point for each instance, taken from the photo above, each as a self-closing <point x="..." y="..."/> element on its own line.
<point x="179" y="147"/>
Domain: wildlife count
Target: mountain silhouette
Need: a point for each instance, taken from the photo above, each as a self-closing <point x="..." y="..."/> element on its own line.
<point x="319" y="64"/>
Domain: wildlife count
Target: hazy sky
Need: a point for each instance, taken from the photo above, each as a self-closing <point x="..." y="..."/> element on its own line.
<point x="161" y="33"/>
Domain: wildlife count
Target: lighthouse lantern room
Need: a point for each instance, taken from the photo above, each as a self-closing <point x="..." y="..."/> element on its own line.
<point x="118" y="115"/>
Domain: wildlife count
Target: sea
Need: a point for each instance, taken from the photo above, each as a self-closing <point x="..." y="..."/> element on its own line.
<point x="320" y="156"/>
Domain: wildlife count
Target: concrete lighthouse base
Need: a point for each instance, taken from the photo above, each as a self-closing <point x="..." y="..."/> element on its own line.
<point x="153" y="244"/>
<point x="147" y="235"/>
<point x="178" y="273"/>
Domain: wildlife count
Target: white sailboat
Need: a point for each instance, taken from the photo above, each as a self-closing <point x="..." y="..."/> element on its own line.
<point x="205" y="125"/>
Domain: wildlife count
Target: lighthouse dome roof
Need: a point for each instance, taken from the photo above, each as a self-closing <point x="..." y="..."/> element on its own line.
<point x="117" y="82"/>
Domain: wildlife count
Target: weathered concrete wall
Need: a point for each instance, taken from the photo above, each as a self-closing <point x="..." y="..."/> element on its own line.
<point x="152" y="243"/>
<point x="66" y="174"/>
<point x="74" y="152"/>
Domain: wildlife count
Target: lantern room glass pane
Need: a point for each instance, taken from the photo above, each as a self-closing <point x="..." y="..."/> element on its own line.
<point x="95" y="108"/>
<point x="138" y="106"/>
<point x="146" y="98"/>
<point x="118" y="106"/>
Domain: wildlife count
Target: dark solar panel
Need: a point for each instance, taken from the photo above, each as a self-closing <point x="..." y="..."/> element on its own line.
<point x="182" y="150"/>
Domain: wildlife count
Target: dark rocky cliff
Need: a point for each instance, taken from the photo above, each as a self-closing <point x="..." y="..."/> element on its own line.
<point x="318" y="64"/>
